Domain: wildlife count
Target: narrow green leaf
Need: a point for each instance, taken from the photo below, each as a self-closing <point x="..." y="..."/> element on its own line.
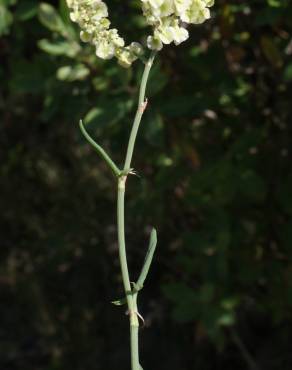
<point x="116" y="171"/>
<point x="148" y="260"/>
<point x="50" y="18"/>
<point x="119" y="302"/>
<point x="58" y="48"/>
<point x="6" y="20"/>
<point x="26" y="10"/>
<point x="73" y="73"/>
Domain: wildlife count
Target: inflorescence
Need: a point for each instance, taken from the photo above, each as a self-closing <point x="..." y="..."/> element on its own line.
<point x="168" y="19"/>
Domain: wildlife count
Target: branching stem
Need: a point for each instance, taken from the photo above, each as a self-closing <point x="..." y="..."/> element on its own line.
<point x="131" y="293"/>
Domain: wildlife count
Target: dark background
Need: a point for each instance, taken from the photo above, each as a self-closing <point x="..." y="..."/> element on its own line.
<point x="214" y="158"/>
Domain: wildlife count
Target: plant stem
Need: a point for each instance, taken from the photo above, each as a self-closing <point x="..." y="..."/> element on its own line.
<point x="131" y="295"/>
<point x="121" y="237"/>
<point x="244" y="351"/>
<point x="140" y="110"/>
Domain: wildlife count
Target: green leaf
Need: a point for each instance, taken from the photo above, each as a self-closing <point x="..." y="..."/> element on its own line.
<point x="93" y="115"/>
<point x="58" y="48"/>
<point x="6" y="20"/>
<point x="73" y="73"/>
<point x="26" y="10"/>
<point x="275" y="3"/>
<point x="65" y="15"/>
<point x="108" y="112"/>
<point x="147" y="261"/>
<point x="230" y="303"/>
<point x="120" y="302"/>
<point x="100" y="83"/>
<point x="50" y="18"/>
<point x="226" y="319"/>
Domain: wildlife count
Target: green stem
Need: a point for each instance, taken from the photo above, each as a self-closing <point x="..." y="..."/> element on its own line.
<point x="121" y="237"/>
<point x="140" y="110"/>
<point x="134" y="337"/>
<point x="244" y="351"/>
<point x="130" y="293"/>
<point x="131" y="301"/>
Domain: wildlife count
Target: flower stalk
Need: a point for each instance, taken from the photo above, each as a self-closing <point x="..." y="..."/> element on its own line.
<point x="131" y="289"/>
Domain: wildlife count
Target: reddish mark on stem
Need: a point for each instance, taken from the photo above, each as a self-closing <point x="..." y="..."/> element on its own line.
<point x="144" y="105"/>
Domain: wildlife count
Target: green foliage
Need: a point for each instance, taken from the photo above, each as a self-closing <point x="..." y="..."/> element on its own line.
<point x="6" y="17"/>
<point x="214" y="159"/>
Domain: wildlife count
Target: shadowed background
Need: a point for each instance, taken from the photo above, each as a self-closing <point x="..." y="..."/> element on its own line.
<point x="214" y="159"/>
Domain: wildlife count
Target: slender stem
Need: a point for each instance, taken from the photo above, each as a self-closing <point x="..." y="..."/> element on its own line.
<point x="121" y="237"/>
<point x="244" y="351"/>
<point x="134" y="334"/>
<point x="140" y="110"/>
<point x="131" y="295"/>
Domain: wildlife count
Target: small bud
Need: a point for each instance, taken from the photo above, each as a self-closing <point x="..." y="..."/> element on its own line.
<point x="85" y="36"/>
<point x="136" y="49"/>
<point x="154" y="43"/>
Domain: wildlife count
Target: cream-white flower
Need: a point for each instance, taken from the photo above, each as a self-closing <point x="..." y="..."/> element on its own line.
<point x="197" y="13"/>
<point x="92" y="17"/>
<point x="156" y="3"/>
<point x="180" y="34"/>
<point x="166" y="17"/>
<point x="136" y="49"/>
<point x="181" y="6"/>
<point x="166" y="8"/>
<point x="105" y="49"/>
<point x="154" y="43"/>
<point x="164" y="32"/>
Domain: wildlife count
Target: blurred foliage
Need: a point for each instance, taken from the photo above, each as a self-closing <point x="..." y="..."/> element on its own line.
<point x="214" y="156"/>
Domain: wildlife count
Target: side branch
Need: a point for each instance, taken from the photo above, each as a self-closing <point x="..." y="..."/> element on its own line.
<point x="116" y="171"/>
<point x="148" y="260"/>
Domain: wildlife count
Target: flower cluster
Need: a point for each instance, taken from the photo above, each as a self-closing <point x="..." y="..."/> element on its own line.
<point x="167" y="18"/>
<point x="92" y="17"/>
